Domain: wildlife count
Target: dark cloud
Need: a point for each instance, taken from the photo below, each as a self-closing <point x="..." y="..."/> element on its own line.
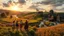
<point x="5" y="5"/>
<point x="47" y="2"/>
<point x="36" y="7"/>
<point x="21" y="1"/>
<point x="52" y="2"/>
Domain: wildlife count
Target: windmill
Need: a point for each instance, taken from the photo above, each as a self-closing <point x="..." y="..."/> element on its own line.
<point x="35" y="7"/>
<point x="39" y="13"/>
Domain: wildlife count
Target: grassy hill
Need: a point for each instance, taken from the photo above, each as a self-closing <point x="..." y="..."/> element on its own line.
<point x="57" y="30"/>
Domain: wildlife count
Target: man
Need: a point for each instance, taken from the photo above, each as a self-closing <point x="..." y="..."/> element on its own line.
<point x="13" y="25"/>
<point x="21" y="24"/>
<point x="26" y="25"/>
<point x="17" y="25"/>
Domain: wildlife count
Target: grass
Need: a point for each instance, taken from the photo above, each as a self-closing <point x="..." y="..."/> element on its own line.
<point x="8" y="19"/>
<point x="7" y="31"/>
<point x="44" y="31"/>
<point x="57" y="30"/>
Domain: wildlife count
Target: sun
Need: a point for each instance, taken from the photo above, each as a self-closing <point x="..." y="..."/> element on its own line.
<point x="16" y="8"/>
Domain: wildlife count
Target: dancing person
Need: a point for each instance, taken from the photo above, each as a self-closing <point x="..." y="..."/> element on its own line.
<point x="20" y="25"/>
<point x="17" y="25"/>
<point x="26" y="25"/>
<point x="13" y="25"/>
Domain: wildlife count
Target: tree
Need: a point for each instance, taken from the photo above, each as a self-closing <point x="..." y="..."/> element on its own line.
<point x="51" y="12"/>
<point x="52" y="15"/>
<point x="3" y="15"/>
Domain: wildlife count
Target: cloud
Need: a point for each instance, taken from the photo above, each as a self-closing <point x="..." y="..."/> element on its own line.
<point x="52" y="2"/>
<point x="10" y="1"/>
<point x="56" y="4"/>
<point x="22" y="1"/>
<point x="42" y="5"/>
<point x="5" y="5"/>
<point x="60" y="7"/>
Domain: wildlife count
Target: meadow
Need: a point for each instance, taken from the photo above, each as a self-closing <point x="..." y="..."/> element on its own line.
<point x="34" y="19"/>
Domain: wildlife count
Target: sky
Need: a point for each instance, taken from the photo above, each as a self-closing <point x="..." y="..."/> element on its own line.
<point x="57" y="5"/>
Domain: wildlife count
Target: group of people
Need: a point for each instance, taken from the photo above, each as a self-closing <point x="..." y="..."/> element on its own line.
<point x="18" y="25"/>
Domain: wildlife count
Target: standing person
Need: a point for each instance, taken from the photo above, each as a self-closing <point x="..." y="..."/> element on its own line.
<point x="17" y="25"/>
<point x="13" y="25"/>
<point x="20" y="24"/>
<point x="26" y="25"/>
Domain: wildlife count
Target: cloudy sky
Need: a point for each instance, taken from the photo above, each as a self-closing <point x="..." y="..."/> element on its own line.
<point x="57" y="5"/>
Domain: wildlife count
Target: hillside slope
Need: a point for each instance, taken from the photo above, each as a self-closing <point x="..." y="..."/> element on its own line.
<point x="57" y="30"/>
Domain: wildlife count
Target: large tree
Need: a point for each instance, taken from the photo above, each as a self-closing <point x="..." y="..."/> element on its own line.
<point x="3" y="15"/>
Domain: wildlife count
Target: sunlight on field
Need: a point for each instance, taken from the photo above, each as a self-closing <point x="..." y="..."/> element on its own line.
<point x="39" y="18"/>
<point x="8" y="19"/>
<point x="32" y="21"/>
<point x="11" y="20"/>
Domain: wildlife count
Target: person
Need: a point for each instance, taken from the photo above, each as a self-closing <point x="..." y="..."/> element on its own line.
<point x="21" y="24"/>
<point x="26" y="25"/>
<point x="51" y="18"/>
<point x="13" y="25"/>
<point x="17" y="25"/>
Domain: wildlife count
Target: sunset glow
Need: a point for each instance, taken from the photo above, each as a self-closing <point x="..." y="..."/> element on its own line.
<point x="18" y="7"/>
<point x="28" y="5"/>
<point x="15" y="8"/>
